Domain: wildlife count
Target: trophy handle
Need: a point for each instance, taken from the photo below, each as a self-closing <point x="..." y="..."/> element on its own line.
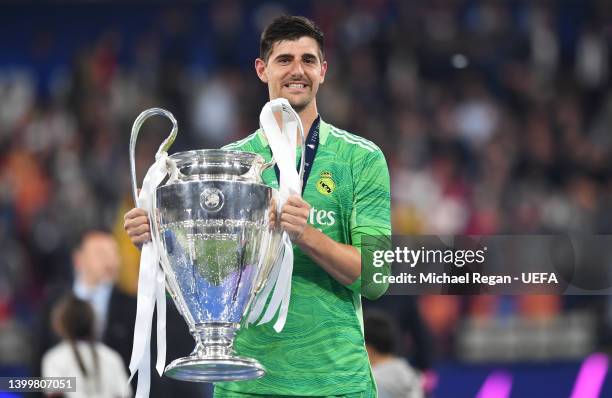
<point x="266" y="166"/>
<point x="162" y="148"/>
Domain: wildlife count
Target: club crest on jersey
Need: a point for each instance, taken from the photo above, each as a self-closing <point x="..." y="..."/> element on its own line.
<point x="326" y="184"/>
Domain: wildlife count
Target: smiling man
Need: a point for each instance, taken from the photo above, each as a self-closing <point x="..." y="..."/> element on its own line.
<point x="321" y="350"/>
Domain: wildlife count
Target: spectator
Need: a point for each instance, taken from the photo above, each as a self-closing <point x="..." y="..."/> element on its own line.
<point x="99" y="370"/>
<point x="394" y="377"/>
<point x="96" y="264"/>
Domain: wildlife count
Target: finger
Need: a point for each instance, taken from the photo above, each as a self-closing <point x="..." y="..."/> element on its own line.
<point x="292" y="230"/>
<point x="289" y="218"/>
<point x="140" y="239"/>
<point x="272" y="208"/>
<point x="133" y="213"/>
<point x="296" y="200"/>
<point x="296" y="211"/>
<point x="272" y="220"/>
<point x="141" y="229"/>
<point x="136" y="222"/>
<point x="136" y="211"/>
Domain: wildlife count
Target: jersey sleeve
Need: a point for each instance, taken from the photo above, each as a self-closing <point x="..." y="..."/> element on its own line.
<point x="370" y="226"/>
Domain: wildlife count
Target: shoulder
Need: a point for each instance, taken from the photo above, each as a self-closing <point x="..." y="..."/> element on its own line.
<point x="244" y="143"/>
<point x="57" y="350"/>
<point x="56" y="355"/>
<point x="349" y="140"/>
<point x="396" y="368"/>
<point x="108" y="352"/>
<point x="356" y="151"/>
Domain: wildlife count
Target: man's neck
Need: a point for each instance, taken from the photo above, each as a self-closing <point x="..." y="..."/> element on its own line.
<point x="90" y="284"/>
<point x="308" y="116"/>
<point x="86" y="283"/>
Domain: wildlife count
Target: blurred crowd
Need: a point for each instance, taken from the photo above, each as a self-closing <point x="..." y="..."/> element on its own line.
<point x="494" y="117"/>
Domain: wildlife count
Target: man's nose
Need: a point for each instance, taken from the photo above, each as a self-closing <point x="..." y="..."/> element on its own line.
<point x="296" y="68"/>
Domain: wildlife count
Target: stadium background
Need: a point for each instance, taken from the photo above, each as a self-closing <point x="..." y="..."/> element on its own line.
<point x="494" y="117"/>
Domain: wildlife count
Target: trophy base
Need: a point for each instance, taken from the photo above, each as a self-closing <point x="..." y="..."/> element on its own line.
<point x="213" y="358"/>
<point x="214" y="369"/>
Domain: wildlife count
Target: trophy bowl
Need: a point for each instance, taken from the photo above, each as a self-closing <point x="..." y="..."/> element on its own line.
<point x="218" y="247"/>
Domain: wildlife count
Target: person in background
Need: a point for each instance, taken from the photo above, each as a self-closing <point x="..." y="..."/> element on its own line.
<point x="99" y="370"/>
<point x="393" y="375"/>
<point x="96" y="263"/>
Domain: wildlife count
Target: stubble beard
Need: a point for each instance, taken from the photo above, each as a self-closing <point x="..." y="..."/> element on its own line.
<point x="300" y="105"/>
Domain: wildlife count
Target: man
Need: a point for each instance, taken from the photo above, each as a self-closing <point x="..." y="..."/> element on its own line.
<point x="321" y="350"/>
<point x="96" y="265"/>
<point x="394" y="377"/>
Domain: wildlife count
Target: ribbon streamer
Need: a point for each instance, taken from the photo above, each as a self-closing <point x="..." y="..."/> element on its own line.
<point x="282" y="142"/>
<point x="151" y="285"/>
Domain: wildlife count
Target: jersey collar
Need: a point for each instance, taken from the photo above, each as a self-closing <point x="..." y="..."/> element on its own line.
<point x="323" y="132"/>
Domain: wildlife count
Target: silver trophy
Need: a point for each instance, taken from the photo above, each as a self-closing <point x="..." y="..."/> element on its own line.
<point x="213" y="223"/>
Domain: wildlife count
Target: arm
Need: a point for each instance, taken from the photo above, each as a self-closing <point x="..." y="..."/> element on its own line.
<point x="371" y="216"/>
<point x="342" y="262"/>
<point x="370" y="225"/>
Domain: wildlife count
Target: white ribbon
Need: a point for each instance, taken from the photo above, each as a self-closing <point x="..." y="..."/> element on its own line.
<point x="151" y="285"/>
<point x="282" y="143"/>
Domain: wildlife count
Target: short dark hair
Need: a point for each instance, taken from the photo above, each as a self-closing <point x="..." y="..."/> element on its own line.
<point x="84" y="233"/>
<point x="288" y="27"/>
<point x="380" y="331"/>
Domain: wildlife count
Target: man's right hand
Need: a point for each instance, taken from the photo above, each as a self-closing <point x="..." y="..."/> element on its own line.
<point x="137" y="226"/>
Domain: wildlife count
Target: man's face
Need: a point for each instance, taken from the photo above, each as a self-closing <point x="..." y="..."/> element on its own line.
<point x="97" y="260"/>
<point x="294" y="70"/>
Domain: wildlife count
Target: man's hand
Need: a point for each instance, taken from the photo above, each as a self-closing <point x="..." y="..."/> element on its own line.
<point x="342" y="262"/>
<point x="294" y="217"/>
<point x="137" y="226"/>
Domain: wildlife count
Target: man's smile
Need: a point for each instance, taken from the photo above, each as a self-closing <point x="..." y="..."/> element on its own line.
<point x="296" y="86"/>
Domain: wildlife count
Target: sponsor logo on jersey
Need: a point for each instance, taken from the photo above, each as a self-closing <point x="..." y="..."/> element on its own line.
<point x="321" y="217"/>
<point x="326" y="184"/>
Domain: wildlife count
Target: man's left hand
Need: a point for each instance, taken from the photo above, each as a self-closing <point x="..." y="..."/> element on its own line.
<point x="294" y="217"/>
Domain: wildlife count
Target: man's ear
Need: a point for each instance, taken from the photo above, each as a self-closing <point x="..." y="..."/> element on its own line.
<point x="323" y="71"/>
<point x="260" y="68"/>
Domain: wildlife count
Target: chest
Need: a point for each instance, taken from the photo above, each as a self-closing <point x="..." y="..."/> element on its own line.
<point x="328" y="190"/>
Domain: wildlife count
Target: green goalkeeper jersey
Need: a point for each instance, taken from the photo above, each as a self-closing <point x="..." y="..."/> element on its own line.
<point x="321" y="350"/>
